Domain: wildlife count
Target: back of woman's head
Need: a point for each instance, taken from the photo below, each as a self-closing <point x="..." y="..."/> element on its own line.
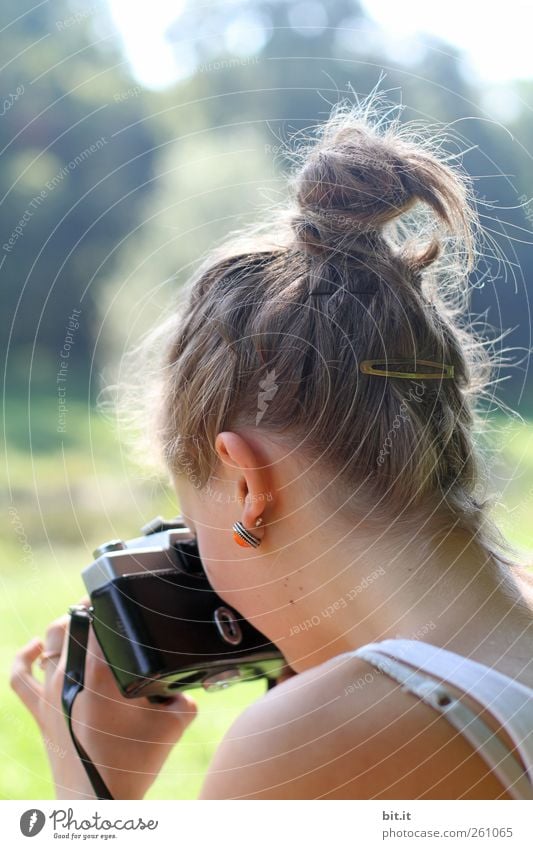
<point x="368" y="260"/>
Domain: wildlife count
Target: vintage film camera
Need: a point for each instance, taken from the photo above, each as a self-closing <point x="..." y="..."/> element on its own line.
<point x="160" y="624"/>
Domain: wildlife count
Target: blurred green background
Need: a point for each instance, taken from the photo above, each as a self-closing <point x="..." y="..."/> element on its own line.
<point x="111" y="191"/>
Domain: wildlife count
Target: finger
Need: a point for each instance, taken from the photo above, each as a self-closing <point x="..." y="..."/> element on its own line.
<point x="59" y="662"/>
<point x="86" y="601"/>
<point x="50" y="664"/>
<point x="27" y="688"/>
<point x="55" y="634"/>
<point x="56" y="643"/>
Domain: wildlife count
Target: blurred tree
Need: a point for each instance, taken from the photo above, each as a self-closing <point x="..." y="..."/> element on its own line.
<point x="73" y="173"/>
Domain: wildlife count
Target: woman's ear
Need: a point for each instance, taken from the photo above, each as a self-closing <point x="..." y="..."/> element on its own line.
<point x="251" y="480"/>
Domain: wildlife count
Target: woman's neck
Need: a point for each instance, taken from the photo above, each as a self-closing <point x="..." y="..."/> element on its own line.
<point x="452" y="593"/>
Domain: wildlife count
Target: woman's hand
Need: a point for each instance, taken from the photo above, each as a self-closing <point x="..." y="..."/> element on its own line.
<point x="128" y="740"/>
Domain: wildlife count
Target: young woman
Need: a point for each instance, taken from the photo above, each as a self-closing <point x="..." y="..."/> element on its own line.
<point x="316" y="410"/>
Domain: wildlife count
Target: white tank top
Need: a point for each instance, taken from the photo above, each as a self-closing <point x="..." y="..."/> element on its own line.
<point x="509" y="701"/>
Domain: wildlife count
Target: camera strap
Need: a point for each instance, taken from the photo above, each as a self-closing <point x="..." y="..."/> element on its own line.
<point x="73" y="683"/>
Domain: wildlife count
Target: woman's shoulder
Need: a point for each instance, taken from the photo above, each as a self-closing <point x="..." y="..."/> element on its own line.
<point x="344" y="730"/>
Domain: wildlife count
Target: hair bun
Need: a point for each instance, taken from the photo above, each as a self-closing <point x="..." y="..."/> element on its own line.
<point x="357" y="174"/>
<point x="361" y="176"/>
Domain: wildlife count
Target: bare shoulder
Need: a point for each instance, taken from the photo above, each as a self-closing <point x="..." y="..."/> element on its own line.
<point x="343" y="730"/>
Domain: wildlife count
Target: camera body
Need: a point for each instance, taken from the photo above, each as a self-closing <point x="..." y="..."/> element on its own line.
<point x="160" y="624"/>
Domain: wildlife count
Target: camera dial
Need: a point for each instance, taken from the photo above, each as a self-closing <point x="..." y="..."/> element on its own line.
<point x="113" y="545"/>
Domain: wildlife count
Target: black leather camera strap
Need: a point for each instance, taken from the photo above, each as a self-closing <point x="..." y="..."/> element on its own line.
<point x="73" y="683"/>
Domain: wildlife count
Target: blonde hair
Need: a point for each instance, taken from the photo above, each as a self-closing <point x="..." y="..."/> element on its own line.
<point x="386" y="226"/>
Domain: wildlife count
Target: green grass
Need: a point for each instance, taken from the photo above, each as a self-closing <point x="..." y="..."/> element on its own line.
<point x="67" y="493"/>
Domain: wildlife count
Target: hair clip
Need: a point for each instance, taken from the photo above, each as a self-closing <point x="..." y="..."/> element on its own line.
<point x="369" y="367"/>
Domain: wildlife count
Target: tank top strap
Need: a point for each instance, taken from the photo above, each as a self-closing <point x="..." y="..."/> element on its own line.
<point x="509" y="701"/>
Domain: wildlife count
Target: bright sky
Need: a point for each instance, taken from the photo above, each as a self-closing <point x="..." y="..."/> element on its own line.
<point x="495" y="37"/>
